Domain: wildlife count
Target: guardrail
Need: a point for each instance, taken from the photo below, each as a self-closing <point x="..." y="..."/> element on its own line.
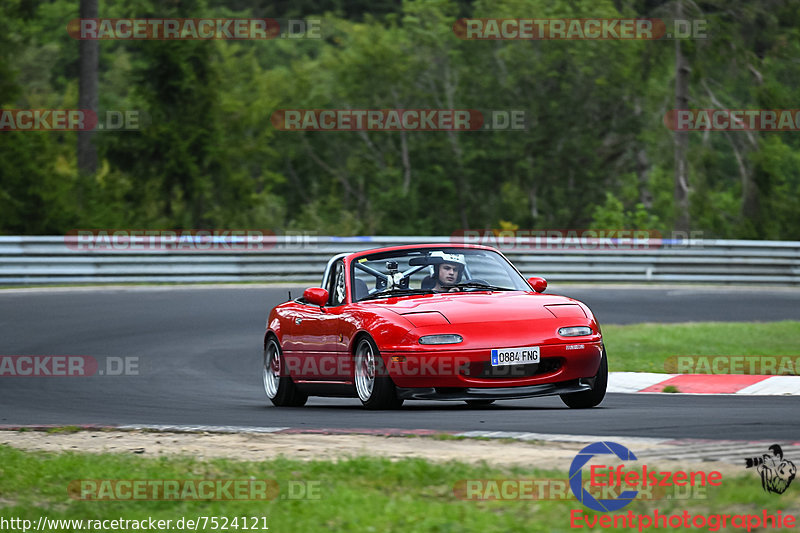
<point x="26" y="260"/>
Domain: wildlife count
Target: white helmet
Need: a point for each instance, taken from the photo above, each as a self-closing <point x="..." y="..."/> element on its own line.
<point x="448" y="258"/>
<point x="437" y="258"/>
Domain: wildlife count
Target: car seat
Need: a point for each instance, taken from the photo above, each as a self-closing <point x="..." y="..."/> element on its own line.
<point x="360" y="289"/>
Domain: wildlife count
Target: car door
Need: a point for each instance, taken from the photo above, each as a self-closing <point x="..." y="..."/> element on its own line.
<point x="317" y="332"/>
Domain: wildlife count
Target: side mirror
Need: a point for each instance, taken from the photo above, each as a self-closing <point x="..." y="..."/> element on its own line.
<point x="538" y="284"/>
<point x="316" y="295"/>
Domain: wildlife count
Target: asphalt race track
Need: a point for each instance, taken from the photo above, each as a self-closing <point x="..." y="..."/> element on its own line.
<point x="199" y="357"/>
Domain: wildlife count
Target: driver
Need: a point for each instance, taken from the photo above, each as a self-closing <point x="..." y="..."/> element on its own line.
<point x="448" y="272"/>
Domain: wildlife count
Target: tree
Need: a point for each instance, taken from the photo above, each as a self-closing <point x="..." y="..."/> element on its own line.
<point x="682" y="71"/>
<point x="87" y="98"/>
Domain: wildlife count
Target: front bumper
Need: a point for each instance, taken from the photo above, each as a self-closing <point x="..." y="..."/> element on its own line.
<point x="499" y="393"/>
<point x="471" y="369"/>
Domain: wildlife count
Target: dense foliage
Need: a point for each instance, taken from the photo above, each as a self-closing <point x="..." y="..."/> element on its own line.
<point x="595" y="152"/>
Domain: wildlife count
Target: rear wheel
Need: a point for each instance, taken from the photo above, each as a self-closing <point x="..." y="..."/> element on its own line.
<point x="593" y="397"/>
<point x="281" y="390"/>
<point x="375" y="389"/>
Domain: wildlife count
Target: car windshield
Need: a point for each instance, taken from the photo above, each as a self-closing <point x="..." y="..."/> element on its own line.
<point x="417" y="270"/>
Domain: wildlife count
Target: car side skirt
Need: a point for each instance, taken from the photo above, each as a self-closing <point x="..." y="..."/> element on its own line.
<point x="327" y="389"/>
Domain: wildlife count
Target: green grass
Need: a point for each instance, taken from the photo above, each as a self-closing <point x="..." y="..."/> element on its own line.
<point x="448" y="436"/>
<point x="63" y="429"/>
<point x="356" y="494"/>
<point x="646" y="347"/>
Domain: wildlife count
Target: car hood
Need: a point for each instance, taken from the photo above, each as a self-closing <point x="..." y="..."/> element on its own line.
<point x="482" y="307"/>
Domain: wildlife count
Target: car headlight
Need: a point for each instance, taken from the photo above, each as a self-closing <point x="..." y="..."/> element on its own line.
<point x="575" y="331"/>
<point x="440" y="339"/>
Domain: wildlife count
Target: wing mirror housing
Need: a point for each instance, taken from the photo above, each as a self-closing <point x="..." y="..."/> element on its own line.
<point x="538" y="284"/>
<point x="316" y="295"/>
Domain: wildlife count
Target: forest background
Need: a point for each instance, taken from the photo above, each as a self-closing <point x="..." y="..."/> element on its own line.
<point x="594" y="153"/>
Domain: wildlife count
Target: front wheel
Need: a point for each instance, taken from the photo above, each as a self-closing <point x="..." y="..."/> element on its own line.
<point x="375" y="389"/>
<point x="281" y="390"/>
<point x="593" y="397"/>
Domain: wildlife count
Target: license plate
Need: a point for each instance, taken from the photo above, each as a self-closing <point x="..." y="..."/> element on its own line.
<point x="515" y="356"/>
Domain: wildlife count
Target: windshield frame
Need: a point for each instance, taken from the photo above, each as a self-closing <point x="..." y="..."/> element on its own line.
<point x="518" y="281"/>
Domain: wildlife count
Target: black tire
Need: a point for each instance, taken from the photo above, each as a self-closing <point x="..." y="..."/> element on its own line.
<point x="479" y="403"/>
<point x="593" y="397"/>
<point x="280" y="390"/>
<point x="374" y="387"/>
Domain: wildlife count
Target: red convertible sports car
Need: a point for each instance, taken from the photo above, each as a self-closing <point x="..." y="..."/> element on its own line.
<point x="432" y="322"/>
